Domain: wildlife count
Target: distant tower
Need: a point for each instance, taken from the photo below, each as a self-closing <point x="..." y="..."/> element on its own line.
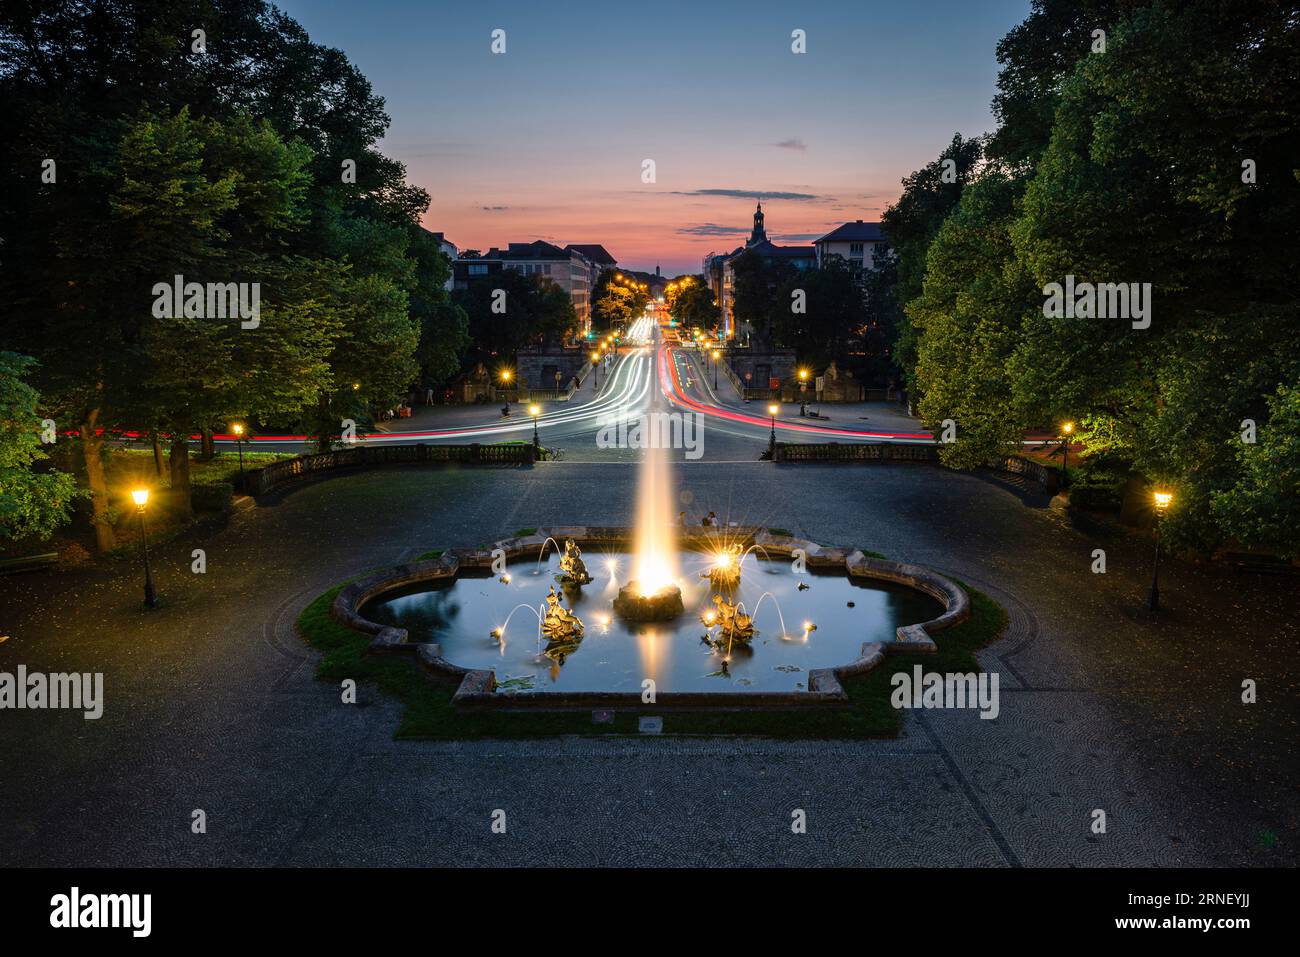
<point x="656" y="269"/>
<point x="759" y="235"/>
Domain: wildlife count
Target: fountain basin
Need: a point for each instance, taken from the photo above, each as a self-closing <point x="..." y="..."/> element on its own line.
<point x="664" y="604"/>
<point x="796" y="670"/>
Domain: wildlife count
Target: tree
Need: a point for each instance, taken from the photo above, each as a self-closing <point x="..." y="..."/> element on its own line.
<point x="211" y="201"/>
<point x="967" y="319"/>
<point x="756" y="285"/>
<point x="1143" y="181"/>
<point x="616" y="300"/>
<point x="1262" y="506"/>
<point x="444" y="327"/>
<point x="1037" y="56"/>
<point x="62" y="285"/>
<point x="929" y="196"/>
<point x="1164" y="161"/>
<point x="32" y="504"/>
<point x="833" y="312"/>
<point x="691" y="303"/>
<point x="614" y="309"/>
<point x="532" y="310"/>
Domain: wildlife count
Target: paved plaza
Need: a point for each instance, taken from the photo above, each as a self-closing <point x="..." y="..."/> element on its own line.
<point x="211" y="701"/>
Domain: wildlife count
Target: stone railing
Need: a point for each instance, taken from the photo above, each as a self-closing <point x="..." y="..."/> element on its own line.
<point x="477" y="689"/>
<point x="731" y="375"/>
<point x="1048" y="478"/>
<point x="854" y="452"/>
<point x="263" y="480"/>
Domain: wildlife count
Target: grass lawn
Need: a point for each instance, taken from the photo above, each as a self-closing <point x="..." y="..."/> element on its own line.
<point x="428" y="712"/>
<point x="126" y="466"/>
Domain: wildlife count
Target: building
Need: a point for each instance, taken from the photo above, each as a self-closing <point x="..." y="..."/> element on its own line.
<point x="857" y="243"/>
<point x="569" y="268"/>
<point x="718" y="273"/>
<point x="595" y="254"/>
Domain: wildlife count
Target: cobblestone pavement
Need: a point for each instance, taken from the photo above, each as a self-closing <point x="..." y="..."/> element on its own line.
<point x="211" y="702"/>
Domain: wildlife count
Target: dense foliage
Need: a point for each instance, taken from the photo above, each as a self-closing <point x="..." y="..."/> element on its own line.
<point x="1162" y="153"/>
<point x="136" y="152"/>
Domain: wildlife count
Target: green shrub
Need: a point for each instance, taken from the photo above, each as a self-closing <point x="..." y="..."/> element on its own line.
<point x="212" y="496"/>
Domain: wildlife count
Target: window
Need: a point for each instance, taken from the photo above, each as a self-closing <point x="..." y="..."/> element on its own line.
<point x="478" y="269"/>
<point x="855" y="249"/>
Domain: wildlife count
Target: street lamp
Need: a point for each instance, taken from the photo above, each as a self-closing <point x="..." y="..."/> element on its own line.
<point x="595" y="371"/>
<point x="141" y="498"/>
<point x="535" y="410"/>
<point x="238" y="429"/>
<point x="716" y="356"/>
<point x="1162" y="500"/>
<point x="772" y="410"/>
<point x="1066" y="431"/>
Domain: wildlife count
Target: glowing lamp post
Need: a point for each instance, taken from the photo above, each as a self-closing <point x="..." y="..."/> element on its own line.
<point x="716" y="356"/>
<point x="1161" y="502"/>
<point x="238" y="429"/>
<point x="772" y="410"/>
<point x="535" y="410"/>
<point x="1066" y="431"/>
<point x="595" y="371"/>
<point x="141" y="498"/>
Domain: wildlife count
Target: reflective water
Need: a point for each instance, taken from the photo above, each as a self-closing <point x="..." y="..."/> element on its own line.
<point x="617" y="656"/>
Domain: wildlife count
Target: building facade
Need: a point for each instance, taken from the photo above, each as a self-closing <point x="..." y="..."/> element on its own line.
<point x="569" y="268"/>
<point x="857" y="243"/>
<point x="721" y="279"/>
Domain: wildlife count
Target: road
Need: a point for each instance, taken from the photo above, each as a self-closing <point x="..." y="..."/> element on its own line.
<point x="734" y="428"/>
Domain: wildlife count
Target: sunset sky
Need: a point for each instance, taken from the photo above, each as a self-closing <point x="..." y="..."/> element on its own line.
<point x="547" y="140"/>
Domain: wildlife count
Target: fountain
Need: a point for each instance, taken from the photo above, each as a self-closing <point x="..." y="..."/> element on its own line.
<point x="640" y="626"/>
<point x="653" y="593"/>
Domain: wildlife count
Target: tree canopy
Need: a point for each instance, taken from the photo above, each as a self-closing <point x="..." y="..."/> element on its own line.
<point x="1162" y="153"/>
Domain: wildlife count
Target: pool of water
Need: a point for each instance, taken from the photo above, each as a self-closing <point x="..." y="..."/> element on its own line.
<point x="617" y="656"/>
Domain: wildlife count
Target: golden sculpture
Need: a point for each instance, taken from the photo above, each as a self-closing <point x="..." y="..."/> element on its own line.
<point x="725" y="570"/>
<point x="573" y="570"/>
<point x="560" y="626"/>
<point x="733" y="625"/>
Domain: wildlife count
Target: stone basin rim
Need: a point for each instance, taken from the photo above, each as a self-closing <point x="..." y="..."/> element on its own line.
<point x="477" y="687"/>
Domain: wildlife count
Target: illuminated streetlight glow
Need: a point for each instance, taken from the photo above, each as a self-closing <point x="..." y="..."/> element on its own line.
<point x="141" y="498"/>
<point x="238" y="429"/>
<point x="1162" y="501"/>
